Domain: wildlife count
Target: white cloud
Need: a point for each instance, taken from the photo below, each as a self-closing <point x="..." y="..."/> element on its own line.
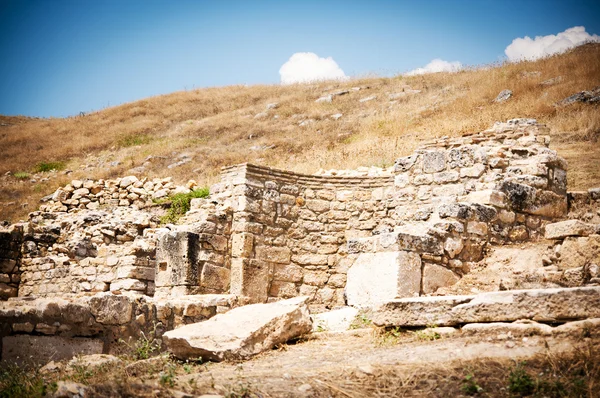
<point x="541" y="46"/>
<point x="437" y="65"/>
<point x="309" y="67"/>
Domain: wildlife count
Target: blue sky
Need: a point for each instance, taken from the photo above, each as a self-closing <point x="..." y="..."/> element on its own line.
<point x="60" y="57"/>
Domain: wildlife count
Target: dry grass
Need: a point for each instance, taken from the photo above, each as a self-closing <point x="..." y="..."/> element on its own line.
<point x="217" y="126"/>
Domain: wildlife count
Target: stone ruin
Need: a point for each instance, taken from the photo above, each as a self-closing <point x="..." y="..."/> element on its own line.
<point x="94" y="265"/>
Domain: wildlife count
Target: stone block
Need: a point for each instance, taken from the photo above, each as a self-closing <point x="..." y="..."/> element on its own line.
<point x="449" y="190"/>
<point x="562" y="229"/>
<point x="242" y="244"/>
<point x="110" y="309"/>
<point x="377" y="277"/>
<point x="250" y="278"/>
<point x="283" y="289"/>
<point x="242" y="332"/>
<point x="487" y="197"/>
<point x="436" y="276"/>
<point x="177" y="259"/>
<point x="473" y="172"/>
<point x="128" y="284"/>
<point x="541" y="305"/>
<point x="579" y="252"/>
<point x="24" y="349"/>
<point x="274" y="254"/>
<point x="215" y="278"/>
<point x="133" y="272"/>
<point x="433" y="161"/>
<point x="315" y="278"/>
<point x="287" y="273"/>
<point x="445" y="177"/>
<point x="337" y="320"/>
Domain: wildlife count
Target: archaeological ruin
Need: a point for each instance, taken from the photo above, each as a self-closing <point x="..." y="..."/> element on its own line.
<point x="94" y="265"/>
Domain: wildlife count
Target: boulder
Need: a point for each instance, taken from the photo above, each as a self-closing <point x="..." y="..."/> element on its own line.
<point x="560" y="230"/>
<point x="504" y="95"/>
<point x="242" y="332"/>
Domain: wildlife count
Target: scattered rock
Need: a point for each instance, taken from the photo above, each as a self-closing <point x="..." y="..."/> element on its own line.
<point x="336" y="116"/>
<point x="335" y="320"/>
<point x="592" y="96"/>
<point x="504" y="95"/>
<point x="326" y="98"/>
<point x="367" y="99"/>
<point x="242" y="332"/>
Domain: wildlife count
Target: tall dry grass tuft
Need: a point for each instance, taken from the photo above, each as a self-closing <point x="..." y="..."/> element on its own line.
<point x="218" y="126"/>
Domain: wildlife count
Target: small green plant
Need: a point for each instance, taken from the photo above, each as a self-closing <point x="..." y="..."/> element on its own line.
<point x="390" y="336"/>
<point x="428" y="334"/>
<point x="81" y="374"/>
<point x="16" y="381"/>
<point x="361" y="321"/>
<point x="180" y="204"/>
<point x="470" y="386"/>
<point x="167" y="376"/>
<point x="21" y="175"/>
<point x="49" y="166"/>
<point x="320" y="328"/>
<point x="144" y="346"/>
<point x="519" y="382"/>
<point x="134" y="140"/>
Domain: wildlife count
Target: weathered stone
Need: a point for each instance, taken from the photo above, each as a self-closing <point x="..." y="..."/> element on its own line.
<point x="334" y="321"/>
<point x="280" y="255"/>
<point x="433" y="161"/>
<point x="93" y="361"/>
<point x="453" y="246"/>
<point x="566" y="228"/>
<point x="487" y="197"/>
<point x="110" y="309"/>
<point x="579" y="252"/>
<point x="541" y="305"/>
<point x="242" y="332"/>
<point x="25" y="349"/>
<point x="377" y="277"/>
<point x="242" y="244"/>
<point x="405" y="163"/>
<point x="518" y="328"/>
<point x="436" y="276"/>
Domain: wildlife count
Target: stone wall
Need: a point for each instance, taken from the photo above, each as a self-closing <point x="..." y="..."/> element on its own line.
<point x="88" y="251"/>
<point x="11" y="239"/>
<point x="295" y="234"/>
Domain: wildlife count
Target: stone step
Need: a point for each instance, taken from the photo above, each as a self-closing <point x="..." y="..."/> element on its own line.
<point x="542" y="305"/>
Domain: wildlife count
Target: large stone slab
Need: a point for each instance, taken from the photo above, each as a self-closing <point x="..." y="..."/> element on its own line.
<point x="542" y="305"/>
<point x="562" y="229"/>
<point x="241" y="332"/>
<point x="25" y="349"/>
<point x="375" y="278"/>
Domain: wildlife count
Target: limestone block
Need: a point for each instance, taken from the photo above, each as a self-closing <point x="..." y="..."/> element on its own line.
<point x="127" y="181"/>
<point x="477" y="228"/>
<point x="579" y="252"/>
<point x="176" y="258"/>
<point x="318" y="206"/>
<point x="283" y="289"/>
<point x="250" y="278"/>
<point x="280" y="255"/>
<point x="416" y="238"/>
<point x="401" y="180"/>
<point x="242" y="332"/>
<point x="433" y="161"/>
<point x="144" y="273"/>
<point x="110" y="309"/>
<point x="518" y="328"/>
<point x="315" y="278"/>
<point x="128" y="284"/>
<point x="287" y="273"/>
<point x="518" y="233"/>
<point x="436" y="276"/>
<point x="445" y="177"/>
<point x="473" y="172"/>
<point x="453" y="246"/>
<point x="449" y="190"/>
<point x="566" y="228"/>
<point x="487" y="197"/>
<point x="242" y="244"/>
<point x="527" y="199"/>
<point x="377" y="277"/>
<point x="310" y="259"/>
<point x="406" y="163"/>
<point x="215" y="278"/>
<point x="337" y="320"/>
<point x="25" y="349"/>
<point x="541" y="305"/>
<point x="423" y="179"/>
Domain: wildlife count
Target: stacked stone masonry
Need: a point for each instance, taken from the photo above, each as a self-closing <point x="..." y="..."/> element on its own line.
<point x="267" y="234"/>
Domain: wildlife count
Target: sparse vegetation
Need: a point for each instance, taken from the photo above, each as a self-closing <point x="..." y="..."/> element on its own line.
<point x="470" y="386"/>
<point x="361" y="321"/>
<point x="21" y="175"/>
<point x="49" y="166"/>
<point x="134" y="140"/>
<point x="180" y="204"/>
<point x="19" y="381"/>
<point x="144" y="346"/>
<point x="520" y="383"/>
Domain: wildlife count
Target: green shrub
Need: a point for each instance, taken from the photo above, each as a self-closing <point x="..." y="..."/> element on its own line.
<point x="16" y="381"/>
<point x="519" y="382"/>
<point x="180" y="204"/>
<point x="470" y="386"/>
<point x="49" y="166"/>
<point x="21" y="175"/>
<point x="134" y="140"/>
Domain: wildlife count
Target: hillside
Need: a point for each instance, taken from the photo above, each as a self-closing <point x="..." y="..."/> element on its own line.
<point x="192" y="134"/>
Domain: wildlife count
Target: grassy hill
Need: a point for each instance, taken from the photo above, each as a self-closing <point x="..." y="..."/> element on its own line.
<point x="205" y="129"/>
